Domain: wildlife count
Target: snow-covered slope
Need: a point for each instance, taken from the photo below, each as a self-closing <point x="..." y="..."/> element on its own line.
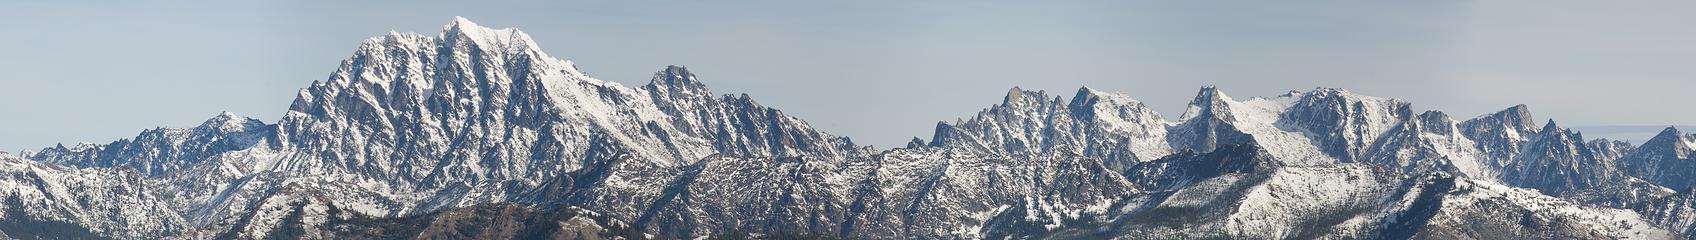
<point x="1214" y="118"/>
<point x="50" y="201"/>
<point x="418" y="134"/>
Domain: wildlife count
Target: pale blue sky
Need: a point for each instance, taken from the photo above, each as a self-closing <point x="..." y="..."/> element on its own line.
<point x="877" y="71"/>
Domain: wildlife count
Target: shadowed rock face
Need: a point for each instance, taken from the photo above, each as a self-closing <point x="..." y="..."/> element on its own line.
<point x="476" y="133"/>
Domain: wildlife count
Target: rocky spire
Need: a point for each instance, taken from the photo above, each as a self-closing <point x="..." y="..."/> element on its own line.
<point x="1209" y="102"/>
<point x="916" y="142"/>
<point x="676" y="80"/>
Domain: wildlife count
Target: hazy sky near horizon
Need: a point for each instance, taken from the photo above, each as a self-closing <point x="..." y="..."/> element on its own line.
<point x="878" y="71"/>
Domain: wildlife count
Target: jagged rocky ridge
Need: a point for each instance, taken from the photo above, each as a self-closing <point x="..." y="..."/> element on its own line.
<point x="415" y="134"/>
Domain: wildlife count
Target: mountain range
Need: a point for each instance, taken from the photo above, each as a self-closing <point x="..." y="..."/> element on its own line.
<point x="477" y="133"/>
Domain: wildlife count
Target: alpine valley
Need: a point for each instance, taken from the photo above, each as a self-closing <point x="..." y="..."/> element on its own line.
<point x="476" y="133"/>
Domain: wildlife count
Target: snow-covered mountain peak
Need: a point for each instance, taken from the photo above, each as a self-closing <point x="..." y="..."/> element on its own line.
<point x="504" y="39"/>
<point x="227" y="115"/>
<point x="1339" y="94"/>
<point x="1344" y="96"/>
<point x="162" y="151"/>
<point x="1436" y="122"/>
<point x="1673" y="134"/>
<point x="675" y="83"/>
<point x="1019" y="98"/>
<point x="1112" y="108"/>
<point x="1342" y="123"/>
<point x="1668" y="159"/>
<point x="1018" y="106"/>
<point x="1553" y="131"/>
<point x="461" y="21"/>
<point x="230" y="122"/>
<point x="1292" y="94"/>
<point x="916" y="142"/>
<point x="677" y="80"/>
<point x="413" y="124"/>
<point x="1517" y="117"/>
<point x="1551" y="127"/>
<point x="1680" y="145"/>
<point x="1209" y="101"/>
<point x="1504" y="129"/>
<point x="1089" y="96"/>
<point x="78" y="147"/>
<point x="1668" y="132"/>
<point x="1100" y="124"/>
<point x="392" y="38"/>
<point x="1329" y="91"/>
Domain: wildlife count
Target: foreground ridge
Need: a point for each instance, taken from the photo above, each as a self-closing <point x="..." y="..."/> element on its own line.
<point x="476" y="127"/>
